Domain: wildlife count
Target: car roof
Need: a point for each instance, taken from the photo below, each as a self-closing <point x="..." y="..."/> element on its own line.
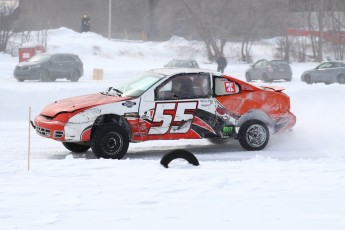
<point x="173" y="71"/>
<point x="178" y="59"/>
<point x="333" y="62"/>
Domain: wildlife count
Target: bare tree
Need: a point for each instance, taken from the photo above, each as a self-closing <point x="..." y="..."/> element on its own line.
<point x="8" y="15"/>
<point x="211" y="22"/>
<point x="338" y="41"/>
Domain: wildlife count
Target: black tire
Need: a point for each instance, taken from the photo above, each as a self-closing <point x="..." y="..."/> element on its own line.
<point x="248" y="77"/>
<point x="44" y="76"/>
<point x="179" y="153"/>
<point x="341" y="79"/>
<point x="20" y="80"/>
<point x="110" y="141"/>
<point x="75" y="75"/>
<point x="307" y="79"/>
<point x="75" y="147"/>
<point x="253" y="135"/>
<point x="219" y="141"/>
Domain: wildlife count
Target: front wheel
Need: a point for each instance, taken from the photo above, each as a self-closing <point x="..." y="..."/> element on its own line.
<point x="307" y="79"/>
<point x="253" y="135"/>
<point x="110" y="141"/>
<point x="75" y="147"/>
<point x="248" y="77"/>
<point x="45" y="76"/>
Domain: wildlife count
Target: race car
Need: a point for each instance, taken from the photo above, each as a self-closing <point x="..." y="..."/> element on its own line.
<point x="168" y="104"/>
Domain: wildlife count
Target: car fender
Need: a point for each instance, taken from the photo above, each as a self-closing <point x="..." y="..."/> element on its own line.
<point x="256" y="114"/>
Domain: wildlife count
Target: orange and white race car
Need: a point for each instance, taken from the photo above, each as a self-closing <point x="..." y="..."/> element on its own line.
<point x="168" y="104"/>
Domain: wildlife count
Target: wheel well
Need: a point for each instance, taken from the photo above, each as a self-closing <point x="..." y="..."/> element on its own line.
<point x="111" y="119"/>
<point x="256" y="115"/>
<point x="76" y="70"/>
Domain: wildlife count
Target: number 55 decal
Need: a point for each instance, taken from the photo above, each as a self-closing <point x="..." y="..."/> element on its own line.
<point x="173" y="117"/>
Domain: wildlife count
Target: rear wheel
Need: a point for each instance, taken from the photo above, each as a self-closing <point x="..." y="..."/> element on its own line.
<point x="110" y="141"/>
<point x="253" y="135"/>
<point x="75" y="76"/>
<point x="75" y="147"/>
<point x="341" y="79"/>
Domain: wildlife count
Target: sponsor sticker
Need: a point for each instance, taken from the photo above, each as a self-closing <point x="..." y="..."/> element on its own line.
<point x="229" y="87"/>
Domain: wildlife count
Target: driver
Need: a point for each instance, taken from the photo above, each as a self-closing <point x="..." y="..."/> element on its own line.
<point x="182" y="87"/>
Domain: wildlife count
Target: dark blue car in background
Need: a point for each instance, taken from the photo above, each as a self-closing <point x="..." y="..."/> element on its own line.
<point x="49" y="67"/>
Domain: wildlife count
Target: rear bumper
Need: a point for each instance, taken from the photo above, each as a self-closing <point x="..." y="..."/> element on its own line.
<point x="285" y="123"/>
<point x="280" y="75"/>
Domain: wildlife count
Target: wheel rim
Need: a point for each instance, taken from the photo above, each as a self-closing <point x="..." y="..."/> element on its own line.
<point x="256" y="135"/>
<point x="112" y="143"/>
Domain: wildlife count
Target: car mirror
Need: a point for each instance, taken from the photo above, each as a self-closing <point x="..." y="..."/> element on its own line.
<point x="251" y="65"/>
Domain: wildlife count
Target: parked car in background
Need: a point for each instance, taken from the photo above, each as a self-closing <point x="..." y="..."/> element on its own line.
<point x="181" y="63"/>
<point x="49" y="67"/>
<point x="168" y="104"/>
<point x="327" y="72"/>
<point x="268" y="71"/>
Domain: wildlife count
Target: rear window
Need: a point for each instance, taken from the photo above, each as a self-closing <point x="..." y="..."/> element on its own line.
<point x="279" y="62"/>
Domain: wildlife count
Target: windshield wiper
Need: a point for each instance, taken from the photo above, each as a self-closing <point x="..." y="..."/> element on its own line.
<point x="110" y="89"/>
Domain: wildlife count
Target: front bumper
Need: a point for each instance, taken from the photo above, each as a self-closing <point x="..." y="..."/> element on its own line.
<point x="30" y="74"/>
<point x="49" y="128"/>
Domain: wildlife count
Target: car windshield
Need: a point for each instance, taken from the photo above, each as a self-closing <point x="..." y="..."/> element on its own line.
<point x="135" y="86"/>
<point x="39" y="58"/>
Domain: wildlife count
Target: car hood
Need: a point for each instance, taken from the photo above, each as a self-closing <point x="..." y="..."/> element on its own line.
<point x="81" y="102"/>
<point x="308" y="71"/>
<point x="29" y="63"/>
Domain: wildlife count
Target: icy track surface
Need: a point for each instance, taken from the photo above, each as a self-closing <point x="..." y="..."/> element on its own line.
<point x="297" y="182"/>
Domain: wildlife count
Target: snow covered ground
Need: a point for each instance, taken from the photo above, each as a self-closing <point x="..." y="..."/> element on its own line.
<point x="296" y="182"/>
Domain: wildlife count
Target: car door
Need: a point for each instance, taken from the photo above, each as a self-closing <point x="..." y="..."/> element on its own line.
<point x="55" y="66"/>
<point x="323" y="72"/>
<point x="257" y="70"/>
<point x="67" y="65"/>
<point x="181" y="107"/>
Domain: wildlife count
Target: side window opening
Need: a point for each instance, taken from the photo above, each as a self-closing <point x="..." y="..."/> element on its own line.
<point x="224" y="86"/>
<point x="184" y="86"/>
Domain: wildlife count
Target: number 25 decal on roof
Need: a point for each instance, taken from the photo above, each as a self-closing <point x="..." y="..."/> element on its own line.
<point x="229" y="87"/>
<point x="175" y="117"/>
